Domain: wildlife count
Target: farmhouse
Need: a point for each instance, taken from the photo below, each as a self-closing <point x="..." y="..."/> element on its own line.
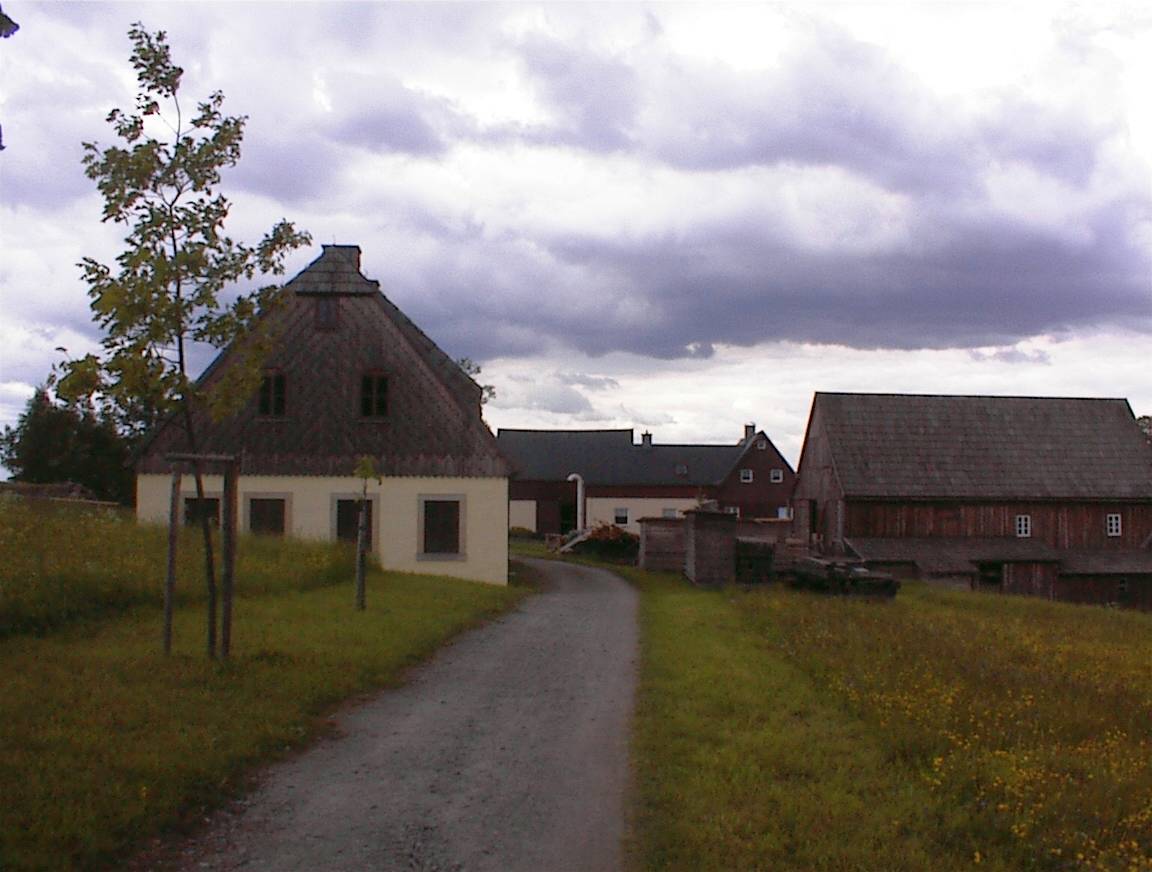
<point x="350" y="375"/>
<point x="1047" y="496"/>
<point x="625" y="481"/>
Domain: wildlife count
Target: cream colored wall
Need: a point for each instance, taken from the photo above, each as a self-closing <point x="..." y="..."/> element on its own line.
<point x="522" y="513"/>
<point x="601" y="510"/>
<point x="396" y="516"/>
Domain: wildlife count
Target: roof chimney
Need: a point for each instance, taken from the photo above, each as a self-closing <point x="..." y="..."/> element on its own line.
<point x="749" y="432"/>
<point x="646" y="439"/>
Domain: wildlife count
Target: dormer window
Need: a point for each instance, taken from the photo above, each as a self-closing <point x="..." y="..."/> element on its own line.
<point x="272" y="395"/>
<point x="374" y="395"/>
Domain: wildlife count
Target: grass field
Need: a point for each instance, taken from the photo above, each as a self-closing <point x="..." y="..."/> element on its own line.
<point x="784" y="731"/>
<point x="105" y="741"/>
<point x="63" y="563"/>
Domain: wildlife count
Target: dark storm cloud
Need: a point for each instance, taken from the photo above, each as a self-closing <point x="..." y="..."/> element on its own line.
<point x="594" y="94"/>
<point x="963" y="273"/>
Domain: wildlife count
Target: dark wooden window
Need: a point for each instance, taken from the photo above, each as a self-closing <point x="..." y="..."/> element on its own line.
<point x="327" y="313"/>
<point x="266" y="516"/>
<point x="272" y="394"/>
<point x="195" y="509"/>
<point x="348" y="520"/>
<point x="373" y="395"/>
<point x="441" y="526"/>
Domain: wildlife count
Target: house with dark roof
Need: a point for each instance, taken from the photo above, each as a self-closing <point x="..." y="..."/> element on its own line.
<point x="1041" y="495"/>
<point x="624" y="480"/>
<point x="350" y="375"/>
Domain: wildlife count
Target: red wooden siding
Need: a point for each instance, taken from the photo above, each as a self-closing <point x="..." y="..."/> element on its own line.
<point x="1061" y="525"/>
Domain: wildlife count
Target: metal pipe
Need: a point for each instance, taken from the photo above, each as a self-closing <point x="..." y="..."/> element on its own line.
<point x="579" y="479"/>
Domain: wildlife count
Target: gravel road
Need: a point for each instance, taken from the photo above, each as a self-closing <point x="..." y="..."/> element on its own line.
<point x="508" y="751"/>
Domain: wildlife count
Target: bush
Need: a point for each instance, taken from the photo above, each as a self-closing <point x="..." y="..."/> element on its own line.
<point x="609" y="542"/>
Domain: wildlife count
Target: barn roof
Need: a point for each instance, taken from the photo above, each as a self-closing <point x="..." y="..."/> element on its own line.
<point x="934" y="446"/>
<point x="609" y="457"/>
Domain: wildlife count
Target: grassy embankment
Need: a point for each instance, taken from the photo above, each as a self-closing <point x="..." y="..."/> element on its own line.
<point x="784" y="731"/>
<point x="105" y="741"/>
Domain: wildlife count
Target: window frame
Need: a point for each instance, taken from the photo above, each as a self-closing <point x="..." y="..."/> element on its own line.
<point x="185" y="498"/>
<point x="246" y="508"/>
<point x="747" y="476"/>
<point x="1023" y="526"/>
<point x="617" y="512"/>
<point x="1114" y="525"/>
<point x="461" y="553"/>
<point x="776" y="475"/>
<point x="372" y="398"/>
<point x="334" y="500"/>
<point x="266" y="405"/>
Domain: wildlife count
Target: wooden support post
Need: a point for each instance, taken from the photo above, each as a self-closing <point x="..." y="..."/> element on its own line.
<point x="173" y="540"/>
<point x="361" y="547"/>
<point x="228" y="547"/>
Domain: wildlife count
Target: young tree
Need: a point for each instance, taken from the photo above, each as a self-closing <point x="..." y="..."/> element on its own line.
<point x="1145" y="424"/>
<point x="166" y="290"/>
<point x="54" y="443"/>
<point x="366" y="470"/>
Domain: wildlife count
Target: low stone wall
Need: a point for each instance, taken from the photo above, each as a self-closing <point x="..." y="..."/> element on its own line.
<point x="662" y="544"/>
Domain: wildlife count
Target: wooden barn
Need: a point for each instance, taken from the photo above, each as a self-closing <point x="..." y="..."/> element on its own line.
<point x="350" y="375"/>
<point x="1047" y="496"/>
<point x="626" y="480"/>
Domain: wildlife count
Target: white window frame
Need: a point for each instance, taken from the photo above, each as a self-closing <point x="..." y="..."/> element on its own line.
<point x="761" y="444"/>
<point x="617" y="513"/>
<point x="747" y="476"/>
<point x="776" y="476"/>
<point x="1023" y="526"/>
<point x="1114" y="524"/>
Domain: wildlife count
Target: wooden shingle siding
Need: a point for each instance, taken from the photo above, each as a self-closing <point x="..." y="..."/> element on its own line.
<point x="432" y="425"/>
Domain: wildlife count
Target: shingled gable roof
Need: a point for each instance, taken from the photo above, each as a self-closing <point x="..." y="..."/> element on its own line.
<point x="610" y="457"/>
<point x="433" y="428"/>
<point x="980" y="447"/>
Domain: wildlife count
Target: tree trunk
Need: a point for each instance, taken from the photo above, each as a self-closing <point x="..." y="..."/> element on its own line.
<point x="361" y="548"/>
<point x="205" y="528"/>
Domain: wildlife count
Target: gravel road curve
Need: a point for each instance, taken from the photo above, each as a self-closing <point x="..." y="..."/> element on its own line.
<point x="508" y="751"/>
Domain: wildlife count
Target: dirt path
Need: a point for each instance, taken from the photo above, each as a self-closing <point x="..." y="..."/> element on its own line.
<point x="507" y="752"/>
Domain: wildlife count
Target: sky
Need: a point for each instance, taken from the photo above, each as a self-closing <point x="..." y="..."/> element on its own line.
<point x="679" y="218"/>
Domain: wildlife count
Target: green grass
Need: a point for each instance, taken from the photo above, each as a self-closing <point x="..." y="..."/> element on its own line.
<point x="784" y="731"/>
<point x="105" y="742"/>
<point x="63" y="563"/>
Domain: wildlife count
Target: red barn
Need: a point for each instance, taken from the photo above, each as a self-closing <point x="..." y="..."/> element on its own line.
<point x="1048" y="496"/>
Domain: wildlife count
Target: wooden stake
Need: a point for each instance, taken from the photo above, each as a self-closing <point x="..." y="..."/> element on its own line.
<point x="173" y="540"/>
<point x="228" y="546"/>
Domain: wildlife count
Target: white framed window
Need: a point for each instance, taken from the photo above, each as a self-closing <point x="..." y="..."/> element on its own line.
<point x="761" y="444"/>
<point x="776" y="476"/>
<point x="1114" y="524"/>
<point x="669" y="513"/>
<point x="1023" y="526"/>
<point x="620" y="515"/>
<point x="746" y="476"/>
<point x="784" y="513"/>
<point x="732" y="510"/>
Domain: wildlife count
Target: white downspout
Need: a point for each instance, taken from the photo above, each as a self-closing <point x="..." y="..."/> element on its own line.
<point x="579" y="479"/>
